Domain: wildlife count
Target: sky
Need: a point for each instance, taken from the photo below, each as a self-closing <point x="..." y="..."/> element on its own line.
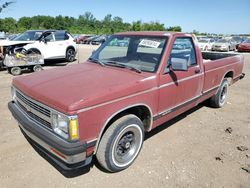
<point x="212" y="16"/>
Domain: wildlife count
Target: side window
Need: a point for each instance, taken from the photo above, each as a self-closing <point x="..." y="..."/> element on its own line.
<point x="49" y="37"/>
<point x="183" y="50"/>
<point x="60" y="36"/>
<point x="66" y="36"/>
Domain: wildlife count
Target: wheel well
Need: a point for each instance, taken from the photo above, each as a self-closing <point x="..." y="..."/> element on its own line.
<point x="229" y="75"/>
<point x="70" y="47"/>
<point x="141" y="111"/>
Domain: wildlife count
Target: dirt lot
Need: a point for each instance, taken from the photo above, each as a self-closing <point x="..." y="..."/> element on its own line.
<point x="193" y="150"/>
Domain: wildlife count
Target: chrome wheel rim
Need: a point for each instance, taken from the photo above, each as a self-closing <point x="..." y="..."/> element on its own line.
<point x="223" y="94"/>
<point x="127" y="145"/>
<point x="70" y="55"/>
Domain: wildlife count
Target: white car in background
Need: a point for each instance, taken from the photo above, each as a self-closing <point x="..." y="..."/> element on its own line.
<point x="206" y="44"/>
<point x="52" y="44"/>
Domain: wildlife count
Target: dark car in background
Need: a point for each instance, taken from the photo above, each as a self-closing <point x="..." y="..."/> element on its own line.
<point x="99" y="40"/>
<point x="244" y="46"/>
<point x="90" y="39"/>
<point x="81" y="38"/>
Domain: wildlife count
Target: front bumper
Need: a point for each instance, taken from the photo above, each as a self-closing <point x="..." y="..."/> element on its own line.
<point x="68" y="155"/>
<point x="242" y="76"/>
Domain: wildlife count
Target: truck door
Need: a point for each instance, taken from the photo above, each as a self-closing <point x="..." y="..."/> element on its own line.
<point x="180" y="88"/>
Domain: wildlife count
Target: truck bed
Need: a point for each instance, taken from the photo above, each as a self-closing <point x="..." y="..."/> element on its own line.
<point x="216" y="55"/>
<point x="218" y="65"/>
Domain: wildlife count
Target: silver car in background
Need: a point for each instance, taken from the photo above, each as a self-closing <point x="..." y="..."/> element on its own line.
<point x="224" y="45"/>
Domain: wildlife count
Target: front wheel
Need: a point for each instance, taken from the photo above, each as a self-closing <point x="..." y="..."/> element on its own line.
<point x="70" y="55"/>
<point x="121" y="143"/>
<point x="219" y="99"/>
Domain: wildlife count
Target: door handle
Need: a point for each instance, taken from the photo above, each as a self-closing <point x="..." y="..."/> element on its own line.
<point x="197" y="71"/>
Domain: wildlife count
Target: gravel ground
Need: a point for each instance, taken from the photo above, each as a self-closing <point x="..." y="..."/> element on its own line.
<point x="204" y="147"/>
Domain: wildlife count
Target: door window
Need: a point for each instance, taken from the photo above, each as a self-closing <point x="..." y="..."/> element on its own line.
<point x="61" y="35"/>
<point x="183" y="50"/>
<point x="49" y="37"/>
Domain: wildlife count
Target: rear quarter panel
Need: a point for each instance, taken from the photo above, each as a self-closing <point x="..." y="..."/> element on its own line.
<point x="216" y="70"/>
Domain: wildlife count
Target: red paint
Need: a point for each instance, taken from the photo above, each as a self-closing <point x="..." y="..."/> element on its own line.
<point x="244" y="47"/>
<point x="96" y="93"/>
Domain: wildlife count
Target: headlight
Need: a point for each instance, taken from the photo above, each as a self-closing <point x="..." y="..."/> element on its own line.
<point x="13" y="93"/>
<point x="65" y="126"/>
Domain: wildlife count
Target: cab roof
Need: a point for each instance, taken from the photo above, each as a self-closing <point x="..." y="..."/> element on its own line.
<point x="154" y="33"/>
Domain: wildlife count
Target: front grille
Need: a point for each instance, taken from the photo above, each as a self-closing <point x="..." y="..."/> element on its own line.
<point x="36" y="111"/>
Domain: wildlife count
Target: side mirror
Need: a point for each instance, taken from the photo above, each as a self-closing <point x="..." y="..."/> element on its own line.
<point x="179" y="64"/>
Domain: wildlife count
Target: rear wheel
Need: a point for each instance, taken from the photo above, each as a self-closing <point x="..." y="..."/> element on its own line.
<point x="70" y="55"/>
<point x="121" y="143"/>
<point x="219" y="99"/>
<point x="15" y="71"/>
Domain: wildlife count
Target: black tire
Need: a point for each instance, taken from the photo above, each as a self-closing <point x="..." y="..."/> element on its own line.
<point x="15" y="71"/>
<point x="37" y="68"/>
<point x="9" y="70"/>
<point x="121" y="143"/>
<point x="70" y="55"/>
<point x="219" y="99"/>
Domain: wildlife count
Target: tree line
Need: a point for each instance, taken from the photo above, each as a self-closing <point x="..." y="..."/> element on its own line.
<point x="85" y="23"/>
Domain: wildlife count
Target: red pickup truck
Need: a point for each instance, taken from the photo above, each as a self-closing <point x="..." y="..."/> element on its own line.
<point x="131" y="84"/>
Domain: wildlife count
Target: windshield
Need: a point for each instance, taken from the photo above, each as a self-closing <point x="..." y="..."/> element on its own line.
<point x="222" y="41"/>
<point x="246" y="41"/>
<point x="28" y="36"/>
<point x="140" y="52"/>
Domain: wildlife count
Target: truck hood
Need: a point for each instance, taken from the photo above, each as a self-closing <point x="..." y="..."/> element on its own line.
<point x="75" y="87"/>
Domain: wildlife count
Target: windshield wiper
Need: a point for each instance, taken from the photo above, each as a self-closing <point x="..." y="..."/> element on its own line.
<point x="121" y="65"/>
<point x="96" y="61"/>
